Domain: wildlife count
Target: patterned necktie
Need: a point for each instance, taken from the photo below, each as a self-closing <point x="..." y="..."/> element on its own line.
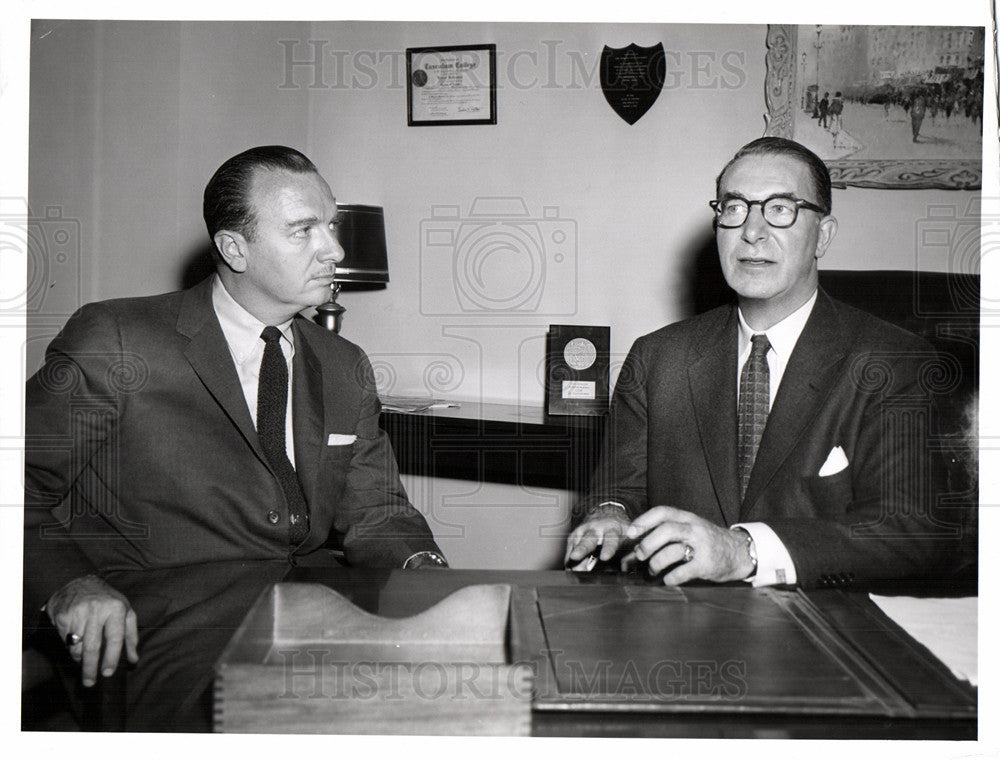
<point x="754" y="404"/>
<point x="272" y="401"/>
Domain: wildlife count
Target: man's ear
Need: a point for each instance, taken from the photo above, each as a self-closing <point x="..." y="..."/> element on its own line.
<point x="827" y="231"/>
<point x="232" y="248"/>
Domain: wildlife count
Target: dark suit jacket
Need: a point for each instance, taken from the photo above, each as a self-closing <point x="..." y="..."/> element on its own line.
<point x="852" y="381"/>
<point x="140" y="452"/>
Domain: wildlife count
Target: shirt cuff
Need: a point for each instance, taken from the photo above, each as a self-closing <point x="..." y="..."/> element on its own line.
<point x="774" y="563"/>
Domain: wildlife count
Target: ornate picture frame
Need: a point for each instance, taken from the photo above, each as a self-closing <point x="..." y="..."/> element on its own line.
<point x="789" y="98"/>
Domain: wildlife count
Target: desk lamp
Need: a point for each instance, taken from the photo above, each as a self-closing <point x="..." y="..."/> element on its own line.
<point x="360" y="231"/>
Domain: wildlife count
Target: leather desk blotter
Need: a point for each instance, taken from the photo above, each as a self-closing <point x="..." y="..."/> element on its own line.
<point x="714" y="649"/>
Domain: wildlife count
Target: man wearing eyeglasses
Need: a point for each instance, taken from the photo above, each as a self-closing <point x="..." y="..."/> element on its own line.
<point x="748" y="443"/>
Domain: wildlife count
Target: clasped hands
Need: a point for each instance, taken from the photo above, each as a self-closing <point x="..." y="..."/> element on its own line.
<point x="687" y="546"/>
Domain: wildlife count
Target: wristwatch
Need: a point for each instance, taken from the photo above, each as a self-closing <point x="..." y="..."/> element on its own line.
<point x="424" y="559"/>
<point x="751" y="548"/>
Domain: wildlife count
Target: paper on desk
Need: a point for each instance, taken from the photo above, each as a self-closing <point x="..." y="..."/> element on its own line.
<point x="947" y="627"/>
<point x="413" y="404"/>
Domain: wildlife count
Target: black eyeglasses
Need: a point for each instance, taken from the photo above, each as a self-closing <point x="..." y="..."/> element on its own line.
<point x="778" y="210"/>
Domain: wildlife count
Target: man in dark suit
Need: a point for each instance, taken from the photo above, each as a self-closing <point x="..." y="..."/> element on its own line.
<point x="175" y="430"/>
<point x="780" y="440"/>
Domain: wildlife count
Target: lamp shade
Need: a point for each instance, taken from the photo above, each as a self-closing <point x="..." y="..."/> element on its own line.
<point x="360" y="231"/>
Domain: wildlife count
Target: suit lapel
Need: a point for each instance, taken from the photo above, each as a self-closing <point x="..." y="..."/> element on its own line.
<point x="307" y="412"/>
<point x="208" y="354"/>
<point x="715" y="410"/>
<point x="808" y="378"/>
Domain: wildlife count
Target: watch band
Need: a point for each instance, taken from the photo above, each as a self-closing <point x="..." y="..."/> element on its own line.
<point x="425" y="558"/>
<point x="751" y="548"/>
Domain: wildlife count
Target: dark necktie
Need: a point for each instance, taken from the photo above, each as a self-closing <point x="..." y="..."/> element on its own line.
<point x="754" y="403"/>
<point x="272" y="401"/>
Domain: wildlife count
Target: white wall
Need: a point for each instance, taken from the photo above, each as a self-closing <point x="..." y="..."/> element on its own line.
<point x="635" y="195"/>
<point x="129" y="119"/>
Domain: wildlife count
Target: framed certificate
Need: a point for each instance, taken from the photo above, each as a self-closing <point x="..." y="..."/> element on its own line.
<point x="455" y="84"/>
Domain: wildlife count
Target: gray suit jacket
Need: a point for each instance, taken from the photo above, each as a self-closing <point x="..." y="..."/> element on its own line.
<point x="140" y="452"/>
<point x="852" y="381"/>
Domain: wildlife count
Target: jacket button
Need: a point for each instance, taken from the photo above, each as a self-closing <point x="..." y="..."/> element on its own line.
<point x="273" y="517"/>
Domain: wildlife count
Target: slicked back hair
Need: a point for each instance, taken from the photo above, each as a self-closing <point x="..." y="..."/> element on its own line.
<point x="226" y="203"/>
<point x="779" y="146"/>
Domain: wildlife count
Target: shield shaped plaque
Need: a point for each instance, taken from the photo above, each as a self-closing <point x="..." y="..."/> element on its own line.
<point x="632" y="77"/>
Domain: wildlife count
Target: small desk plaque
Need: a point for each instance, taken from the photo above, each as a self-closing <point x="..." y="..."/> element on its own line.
<point x="576" y="369"/>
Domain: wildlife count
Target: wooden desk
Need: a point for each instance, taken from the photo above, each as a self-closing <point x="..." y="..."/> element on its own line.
<point x="730" y="661"/>
<point x="735" y="659"/>
<point x="498" y="443"/>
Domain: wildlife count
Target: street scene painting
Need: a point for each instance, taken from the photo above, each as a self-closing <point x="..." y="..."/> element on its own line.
<point x="884" y="106"/>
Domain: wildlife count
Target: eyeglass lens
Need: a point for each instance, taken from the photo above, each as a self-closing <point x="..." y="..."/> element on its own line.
<point x="778" y="212"/>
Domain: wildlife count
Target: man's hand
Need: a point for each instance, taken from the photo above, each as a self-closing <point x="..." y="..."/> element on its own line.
<point x="605" y="528"/>
<point x="716" y="553"/>
<point x="102" y="618"/>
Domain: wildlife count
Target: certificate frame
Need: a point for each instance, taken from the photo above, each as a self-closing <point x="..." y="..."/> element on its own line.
<point x="461" y="87"/>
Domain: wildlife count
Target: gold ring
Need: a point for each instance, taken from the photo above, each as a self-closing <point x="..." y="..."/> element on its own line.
<point x="688" y="552"/>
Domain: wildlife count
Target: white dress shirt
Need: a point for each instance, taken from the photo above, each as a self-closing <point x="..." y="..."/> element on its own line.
<point x="774" y="564"/>
<point x="242" y="332"/>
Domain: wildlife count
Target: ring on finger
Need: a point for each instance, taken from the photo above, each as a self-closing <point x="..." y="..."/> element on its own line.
<point x="688" y="552"/>
<point x="72" y="639"/>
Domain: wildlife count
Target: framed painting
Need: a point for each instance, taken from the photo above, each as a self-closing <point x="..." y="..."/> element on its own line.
<point x="884" y="106"/>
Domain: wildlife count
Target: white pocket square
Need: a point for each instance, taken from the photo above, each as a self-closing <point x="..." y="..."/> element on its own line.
<point x="340" y="439"/>
<point x="836" y="461"/>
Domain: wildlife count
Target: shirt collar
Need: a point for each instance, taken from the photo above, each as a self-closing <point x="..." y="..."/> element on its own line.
<point x="784" y="334"/>
<point x="241" y="328"/>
